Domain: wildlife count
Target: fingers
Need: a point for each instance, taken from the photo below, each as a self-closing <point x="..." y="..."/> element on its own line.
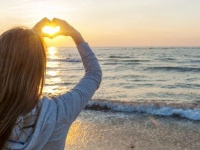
<point x="41" y="23"/>
<point x="45" y="21"/>
<point x="38" y="27"/>
<point x="57" y="21"/>
<point x="65" y="28"/>
<point x="61" y="22"/>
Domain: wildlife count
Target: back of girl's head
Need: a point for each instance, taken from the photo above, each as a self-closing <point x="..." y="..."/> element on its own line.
<point x="22" y="71"/>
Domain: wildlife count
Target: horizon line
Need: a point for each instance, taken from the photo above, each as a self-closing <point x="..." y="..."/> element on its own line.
<point x="131" y="46"/>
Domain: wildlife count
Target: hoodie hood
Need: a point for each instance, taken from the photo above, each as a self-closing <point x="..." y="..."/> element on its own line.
<point x="27" y="129"/>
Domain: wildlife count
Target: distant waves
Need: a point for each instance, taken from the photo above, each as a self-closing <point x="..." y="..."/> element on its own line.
<point x="131" y="75"/>
<point x="175" y="69"/>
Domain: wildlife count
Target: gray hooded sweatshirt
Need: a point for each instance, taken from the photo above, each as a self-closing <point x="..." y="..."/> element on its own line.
<point x="47" y="125"/>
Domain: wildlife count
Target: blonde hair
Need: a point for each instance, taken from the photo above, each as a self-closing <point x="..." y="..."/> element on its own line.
<point x="22" y="73"/>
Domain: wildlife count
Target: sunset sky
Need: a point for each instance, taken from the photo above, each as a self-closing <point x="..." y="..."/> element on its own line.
<point x="112" y="22"/>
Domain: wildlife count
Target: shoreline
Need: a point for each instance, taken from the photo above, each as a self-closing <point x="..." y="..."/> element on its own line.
<point x="189" y="111"/>
<point x="111" y="130"/>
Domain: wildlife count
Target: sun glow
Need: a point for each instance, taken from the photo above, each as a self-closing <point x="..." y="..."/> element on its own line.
<point x="50" y="30"/>
<point x="52" y="51"/>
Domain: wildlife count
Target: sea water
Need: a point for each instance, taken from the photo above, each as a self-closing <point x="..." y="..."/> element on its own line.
<point x="154" y="80"/>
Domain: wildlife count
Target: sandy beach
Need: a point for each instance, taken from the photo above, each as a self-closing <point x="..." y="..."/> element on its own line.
<point x="118" y="131"/>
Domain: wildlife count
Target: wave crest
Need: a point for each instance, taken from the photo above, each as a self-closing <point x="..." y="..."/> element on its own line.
<point x="189" y="111"/>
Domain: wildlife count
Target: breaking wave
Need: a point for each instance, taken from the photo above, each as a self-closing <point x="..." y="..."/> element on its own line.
<point x="188" y="111"/>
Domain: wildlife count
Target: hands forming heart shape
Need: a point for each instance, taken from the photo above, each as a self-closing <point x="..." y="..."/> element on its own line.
<point x="52" y="28"/>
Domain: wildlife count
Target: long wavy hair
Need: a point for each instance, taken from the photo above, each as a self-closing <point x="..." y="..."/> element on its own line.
<point x="22" y="73"/>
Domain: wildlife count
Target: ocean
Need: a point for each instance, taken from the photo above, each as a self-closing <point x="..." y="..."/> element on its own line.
<point x="149" y="98"/>
<point x="160" y="81"/>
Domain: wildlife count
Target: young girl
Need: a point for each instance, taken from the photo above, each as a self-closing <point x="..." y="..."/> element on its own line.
<point x="28" y="121"/>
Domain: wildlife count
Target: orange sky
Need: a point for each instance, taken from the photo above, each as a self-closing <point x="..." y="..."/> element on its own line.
<point x="113" y="23"/>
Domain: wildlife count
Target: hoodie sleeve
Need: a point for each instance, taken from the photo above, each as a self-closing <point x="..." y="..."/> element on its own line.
<point x="71" y="103"/>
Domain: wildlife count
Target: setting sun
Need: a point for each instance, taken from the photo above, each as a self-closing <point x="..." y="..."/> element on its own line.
<point x="51" y="30"/>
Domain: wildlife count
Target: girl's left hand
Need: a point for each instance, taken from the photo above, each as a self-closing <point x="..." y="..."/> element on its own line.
<point x="38" y="27"/>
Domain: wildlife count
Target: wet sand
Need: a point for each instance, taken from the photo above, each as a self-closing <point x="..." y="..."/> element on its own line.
<point x="97" y="130"/>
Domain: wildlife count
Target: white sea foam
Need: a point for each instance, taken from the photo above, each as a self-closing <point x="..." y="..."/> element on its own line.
<point x="153" y="109"/>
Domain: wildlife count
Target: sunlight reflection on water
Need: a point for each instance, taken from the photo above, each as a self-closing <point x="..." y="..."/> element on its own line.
<point x="52" y="75"/>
